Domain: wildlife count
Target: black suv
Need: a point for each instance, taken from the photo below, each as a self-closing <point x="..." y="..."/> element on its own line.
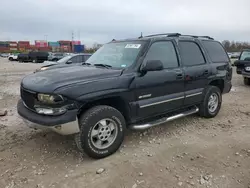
<point x="243" y="66"/>
<point x="134" y="83"/>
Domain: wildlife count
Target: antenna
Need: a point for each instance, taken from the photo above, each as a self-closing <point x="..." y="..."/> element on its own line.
<point x="140" y="36"/>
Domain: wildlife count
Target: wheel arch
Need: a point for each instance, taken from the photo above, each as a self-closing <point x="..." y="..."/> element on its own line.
<point x="218" y="83"/>
<point x="116" y="102"/>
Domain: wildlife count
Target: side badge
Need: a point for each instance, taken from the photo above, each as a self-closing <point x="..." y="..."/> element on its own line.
<point x="145" y="96"/>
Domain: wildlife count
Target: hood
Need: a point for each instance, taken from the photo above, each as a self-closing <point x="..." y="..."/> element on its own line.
<point x="50" y="80"/>
<point x="46" y="63"/>
<point x="62" y="65"/>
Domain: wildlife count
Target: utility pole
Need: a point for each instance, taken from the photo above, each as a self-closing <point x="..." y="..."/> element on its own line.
<point x="72" y="35"/>
<point x="79" y="35"/>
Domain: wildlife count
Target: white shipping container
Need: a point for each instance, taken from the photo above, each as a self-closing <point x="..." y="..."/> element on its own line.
<point x="13" y="44"/>
<point x="13" y="49"/>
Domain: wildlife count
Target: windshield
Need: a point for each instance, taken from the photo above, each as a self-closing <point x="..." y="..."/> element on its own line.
<point x="244" y="55"/>
<point x="118" y="55"/>
<point x="65" y="59"/>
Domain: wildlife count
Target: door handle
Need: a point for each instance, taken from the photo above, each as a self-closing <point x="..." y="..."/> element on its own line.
<point x="179" y="76"/>
<point x="205" y="72"/>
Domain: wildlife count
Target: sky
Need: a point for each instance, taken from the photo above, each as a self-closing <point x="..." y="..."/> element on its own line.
<point x="99" y="21"/>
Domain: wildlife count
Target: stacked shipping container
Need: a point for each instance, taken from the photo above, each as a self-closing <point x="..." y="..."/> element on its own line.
<point x="76" y="43"/>
<point x="65" y="45"/>
<point x="22" y="45"/>
<point x="78" y="48"/>
<point x="55" y="46"/>
<point x="13" y="46"/>
<point x="41" y="43"/>
<point x="4" y="46"/>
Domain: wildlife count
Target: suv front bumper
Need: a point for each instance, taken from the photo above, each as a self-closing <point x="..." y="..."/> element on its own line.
<point x="65" y="124"/>
<point x="245" y="74"/>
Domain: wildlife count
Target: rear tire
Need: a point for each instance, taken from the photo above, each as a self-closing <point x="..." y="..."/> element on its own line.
<point x="10" y="59"/>
<point x="211" y="104"/>
<point x="246" y="81"/>
<point x="101" y="131"/>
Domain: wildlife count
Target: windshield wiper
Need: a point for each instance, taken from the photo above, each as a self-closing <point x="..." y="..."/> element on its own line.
<point x="84" y="63"/>
<point x="103" y="65"/>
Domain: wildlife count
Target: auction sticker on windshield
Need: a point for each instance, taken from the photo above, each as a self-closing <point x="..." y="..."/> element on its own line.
<point x="133" y="46"/>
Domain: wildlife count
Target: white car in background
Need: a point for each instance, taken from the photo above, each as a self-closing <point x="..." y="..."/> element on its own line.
<point x="13" y="57"/>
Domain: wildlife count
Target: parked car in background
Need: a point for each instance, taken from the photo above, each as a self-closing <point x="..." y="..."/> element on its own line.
<point x="128" y="84"/>
<point x="55" y="56"/>
<point x="13" y="57"/>
<point x="5" y="55"/>
<point x="235" y="55"/>
<point x="38" y="57"/>
<point x="67" y="60"/>
<point x="23" y="57"/>
<point x="229" y="54"/>
<point x="243" y="66"/>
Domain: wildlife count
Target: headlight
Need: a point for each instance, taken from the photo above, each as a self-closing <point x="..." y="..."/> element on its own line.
<point x="49" y="99"/>
<point x="50" y="111"/>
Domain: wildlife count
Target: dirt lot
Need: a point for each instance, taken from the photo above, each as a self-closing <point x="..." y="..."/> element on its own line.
<point x="190" y="152"/>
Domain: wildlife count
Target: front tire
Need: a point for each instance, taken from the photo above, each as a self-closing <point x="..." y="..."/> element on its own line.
<point x="10" y="59"/>
<point x="101" y="131"/>
<point x="246" y="81"/>
<point x="211" y="104"/>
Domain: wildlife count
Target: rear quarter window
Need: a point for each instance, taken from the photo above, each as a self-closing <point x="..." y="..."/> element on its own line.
<point x="215" y="51"/>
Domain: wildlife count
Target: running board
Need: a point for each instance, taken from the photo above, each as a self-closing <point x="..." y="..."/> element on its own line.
<point x="164" y="120"/>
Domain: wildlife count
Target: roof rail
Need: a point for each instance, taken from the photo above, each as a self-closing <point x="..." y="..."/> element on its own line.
<point x="177" y="35"/>
<point x="194" y="36"/>
<point x="162" y="34"/>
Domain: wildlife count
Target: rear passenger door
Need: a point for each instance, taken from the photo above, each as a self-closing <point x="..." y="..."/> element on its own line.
<point x="196" y="70"/>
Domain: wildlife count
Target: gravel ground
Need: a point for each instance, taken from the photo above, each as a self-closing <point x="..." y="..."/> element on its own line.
<point x="189" y="152"/>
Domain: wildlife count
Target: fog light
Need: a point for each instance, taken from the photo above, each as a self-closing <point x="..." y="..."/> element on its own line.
<point x="51" y="111"/>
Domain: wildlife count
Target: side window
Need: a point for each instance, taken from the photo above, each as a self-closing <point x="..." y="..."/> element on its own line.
<point x="165" y="52"/>
<point x="191" y="53"/>
<point x="86" y="57"/>
<point x="215" y="51"/>
<point x="79" y="59"/>
<point x="82" y="59"/>
<point x="74" y="59"/>
<point x="245" y="55"/>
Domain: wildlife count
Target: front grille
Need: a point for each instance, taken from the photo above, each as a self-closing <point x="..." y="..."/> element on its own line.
<point x="28" y="98"/>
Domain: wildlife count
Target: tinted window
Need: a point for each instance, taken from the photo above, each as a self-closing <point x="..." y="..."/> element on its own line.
<point x="191" y="53"/>
<point x="86" y="57"/>
<point x="74" y="59"/>
<point x="163" y="51"/>
<point x="215" y="51"/>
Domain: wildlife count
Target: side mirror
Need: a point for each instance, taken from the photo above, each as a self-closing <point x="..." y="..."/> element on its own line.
<point x="69" y="62"/>
<point x="152" y="65"/>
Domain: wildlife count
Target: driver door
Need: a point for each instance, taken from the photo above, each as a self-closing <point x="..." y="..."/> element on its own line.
<point x="160" y="91"/>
